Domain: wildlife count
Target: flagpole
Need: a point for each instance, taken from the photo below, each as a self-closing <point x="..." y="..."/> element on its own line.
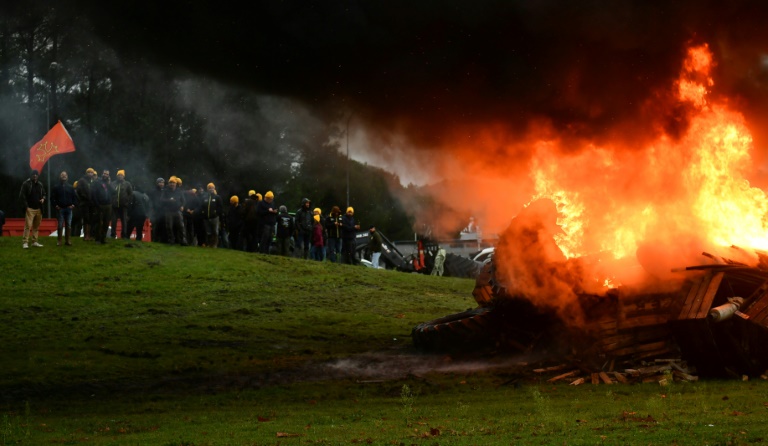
<point x="48" y="200"/>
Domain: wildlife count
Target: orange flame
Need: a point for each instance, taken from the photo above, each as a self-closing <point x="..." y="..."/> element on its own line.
<point x="661" y="205"/>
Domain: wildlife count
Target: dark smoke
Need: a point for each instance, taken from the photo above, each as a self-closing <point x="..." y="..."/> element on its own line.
<point x="420" y="68"/>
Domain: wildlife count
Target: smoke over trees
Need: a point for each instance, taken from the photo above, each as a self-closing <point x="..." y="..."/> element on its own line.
<point x="127" y="113"/>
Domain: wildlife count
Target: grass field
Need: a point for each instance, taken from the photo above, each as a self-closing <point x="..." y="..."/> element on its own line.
<point x="147" y="344"/>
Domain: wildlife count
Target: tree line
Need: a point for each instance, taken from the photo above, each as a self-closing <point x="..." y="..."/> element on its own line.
<point x="124" y="111"/>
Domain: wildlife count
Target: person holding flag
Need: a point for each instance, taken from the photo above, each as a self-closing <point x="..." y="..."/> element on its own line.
<point x="32" y="196"/>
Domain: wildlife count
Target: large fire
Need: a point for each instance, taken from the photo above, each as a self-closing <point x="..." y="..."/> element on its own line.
<point x="641" y="212"/>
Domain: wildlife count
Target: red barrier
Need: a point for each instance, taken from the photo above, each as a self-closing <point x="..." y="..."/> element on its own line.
<point x="14" y="227"/>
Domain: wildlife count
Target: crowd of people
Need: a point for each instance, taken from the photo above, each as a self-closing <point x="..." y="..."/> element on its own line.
<point x="194" y="217"/>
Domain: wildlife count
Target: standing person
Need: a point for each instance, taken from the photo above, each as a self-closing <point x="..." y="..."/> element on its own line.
<point x="197" y="218"/>
<point x="333" y="228"/>
<point x="235" y="223"/>
<point x="32" y="196"/>
<point x="157" y="214"/>
<point x="267" y="219"/>
<point x="122" y="197"/>
<point x="285" y="229"/>
<point x="86" y="211"/>
<point x="211" y="209"/>
<point x="192" y="206"/>
<point x="101" y="201"/>
<point x="349" y="228"/>
<point x="317" y="239"/>
<point x="251" y="222"/>
<point x="319" y="212"/>
<point x="303" y="228"/>
<point x="140" y="208"/>
<point x="64" y="199"/>
<point x="173" y="204"/>
<point x="374" y="245"/>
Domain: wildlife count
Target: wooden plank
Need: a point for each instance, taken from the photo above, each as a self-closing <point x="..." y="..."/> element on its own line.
<point x="691" y="297"/>
<point x="606" y="379"/>
<point x="564" y="375"/>
<point x="483" y="294"/>
<point x="578" y="381"/>
<point x="696" y="304"/>
<point x="709" y="297"/>
<point x="595" y="378"/>
<point x="641" y="321"/>
<point x="553" y="368"/>
<point x="758" y="307"/>
<point x="640" y="348"/>
<point x="620" y="377"/>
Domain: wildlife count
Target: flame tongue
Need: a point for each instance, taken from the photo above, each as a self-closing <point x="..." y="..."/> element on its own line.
<point x="664" y="203"/>
<point x="693" y="187"/>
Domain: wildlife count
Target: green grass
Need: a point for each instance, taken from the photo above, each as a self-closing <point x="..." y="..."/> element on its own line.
<point x="150" y="344"/>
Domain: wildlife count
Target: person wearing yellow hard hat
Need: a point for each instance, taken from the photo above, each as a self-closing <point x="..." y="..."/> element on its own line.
<point x="251" y="227"/>
<point x="174" y="202"/>
<point x="235" y="223"/>
<point x="267" y="219"/>
<point x="333" y="229"/>
<point x="318" y="241"/>
<point x="349" y="228"/>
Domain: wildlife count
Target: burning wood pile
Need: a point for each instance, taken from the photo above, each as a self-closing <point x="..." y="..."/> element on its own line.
<point x="714" y="324"/>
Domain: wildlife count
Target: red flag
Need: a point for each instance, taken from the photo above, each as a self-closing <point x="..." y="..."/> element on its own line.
<point x="56" y="141"/>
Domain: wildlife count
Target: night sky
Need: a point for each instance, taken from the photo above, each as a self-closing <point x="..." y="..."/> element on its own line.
<point x="427" y="66"/>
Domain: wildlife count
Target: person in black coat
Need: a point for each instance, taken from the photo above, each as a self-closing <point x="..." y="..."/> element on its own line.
<point x="101" y="201"/>
<point x="349" y="228"/>
<point x="267" y="218"/>
<point x="235" y="223"/>
<point x="137" y="216"/>
<point x="285" y="230"/>
<point x="64" y="199"/>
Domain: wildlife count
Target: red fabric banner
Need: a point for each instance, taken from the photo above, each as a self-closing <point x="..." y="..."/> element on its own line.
<point x="56" y="141"/>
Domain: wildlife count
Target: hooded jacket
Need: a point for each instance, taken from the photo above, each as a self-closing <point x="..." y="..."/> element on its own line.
<point x="304" y="216"/>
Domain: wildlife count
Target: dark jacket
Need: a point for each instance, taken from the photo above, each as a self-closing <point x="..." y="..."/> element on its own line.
<point x="172" y="200"/>
<point x="122" y="194"/>
<point x="101" y="193"/>
<point x="266" y="216"/>
<point x="31" y="193"/>
<point x="141" y="205"/>
<point x="303" y="218"/>
<point x="375" y="242"/>
<point x="285" y="225"/>
<point x="83" y="190"/>
<point x="63" y="195"/>
<point x="250" y="211"/>
<point x="155" y="197"/>
<point x="211" y="206"/>
<point x="234" y="218"/>
<point x="334" y="230"/>
<point x="348" y="230"/>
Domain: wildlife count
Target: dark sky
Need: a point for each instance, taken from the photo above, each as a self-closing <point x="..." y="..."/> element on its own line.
<point x="430" y="65"/>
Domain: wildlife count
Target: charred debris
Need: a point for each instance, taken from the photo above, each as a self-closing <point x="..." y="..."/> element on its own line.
<point x="714" y="324"/>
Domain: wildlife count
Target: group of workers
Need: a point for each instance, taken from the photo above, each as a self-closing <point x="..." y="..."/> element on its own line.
<point x="194" y="217"/>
